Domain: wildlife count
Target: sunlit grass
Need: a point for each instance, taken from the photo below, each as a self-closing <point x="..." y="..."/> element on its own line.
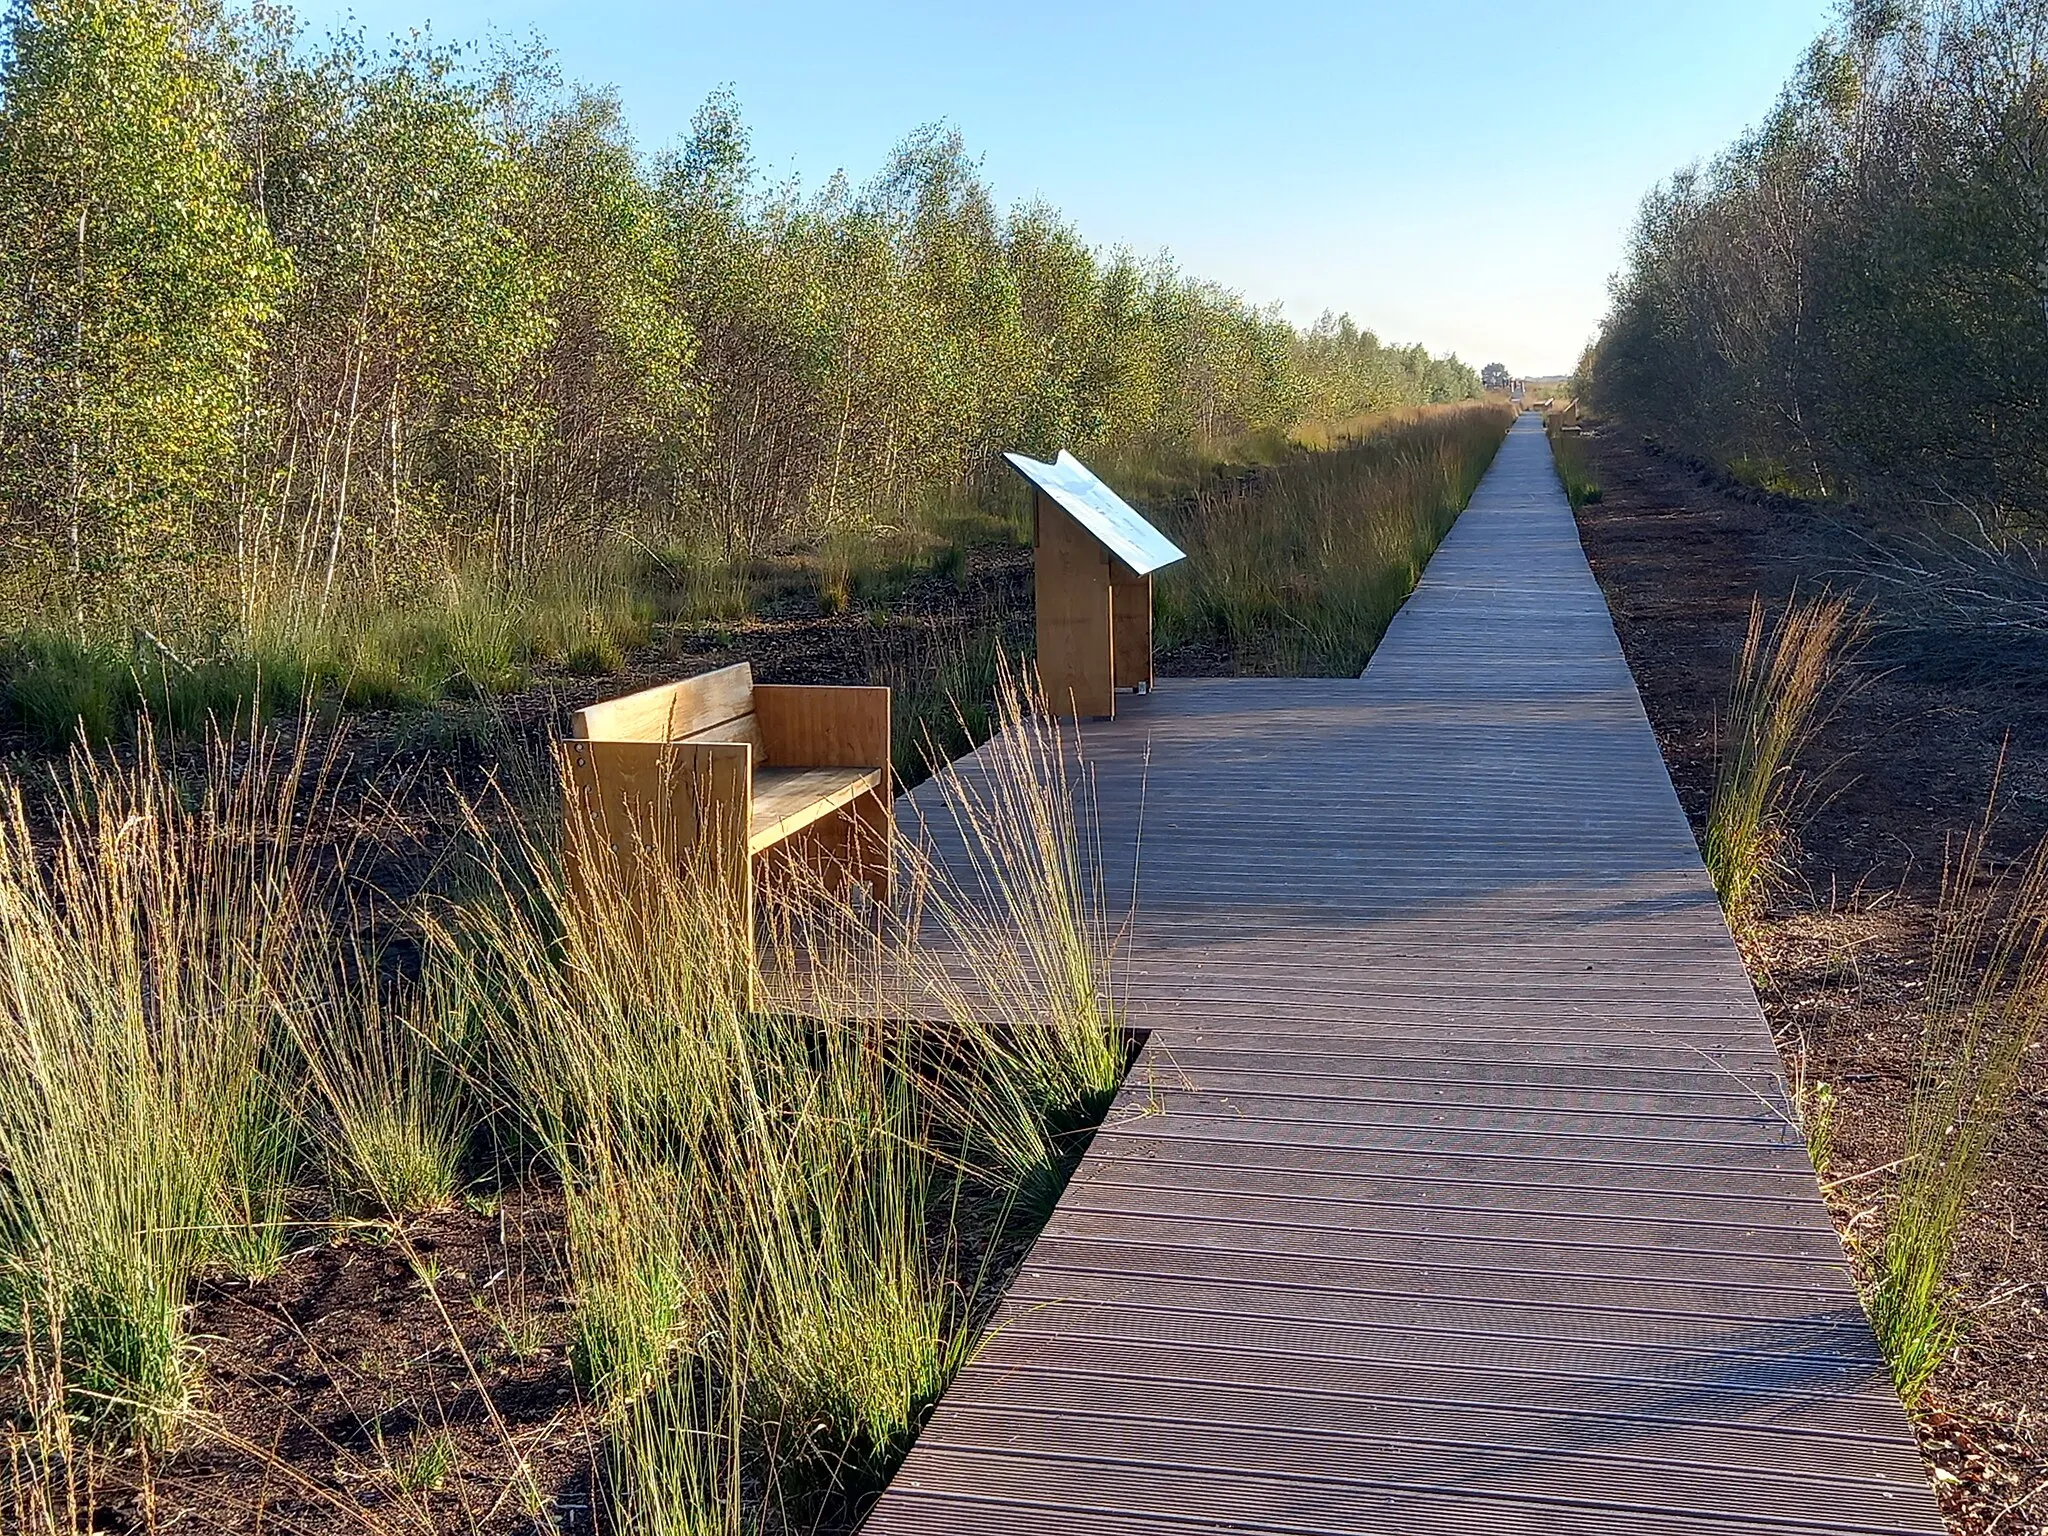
<point x="1574" y="465"/>
<point x="1298" y="568"/>
<point x="1782" y="678"/>
<point x="1982" y="1010"/>
<point x="467" y="636"/>
<point x="144" y="1118"/>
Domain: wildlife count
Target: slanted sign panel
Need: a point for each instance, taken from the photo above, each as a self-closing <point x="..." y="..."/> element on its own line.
<point x="1113" y="521"/>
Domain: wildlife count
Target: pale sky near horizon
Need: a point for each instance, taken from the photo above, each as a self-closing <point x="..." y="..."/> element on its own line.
<point x="1354" y="157"/>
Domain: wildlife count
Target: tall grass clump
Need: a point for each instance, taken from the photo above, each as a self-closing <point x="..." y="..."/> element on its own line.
<point x="1299" y="568"/>
<point x="1985" y="1000"/>
<point x="610" y="1016"/>
<point x="1021" y="942"/>
<point x="1782" y="677"/>
<point x="765" y="1270"/>
<point x="386" y="1116"/>
<point x="1574" y="466"/>
<point x="747" y="1187"/>
<point x="145" y="1117"/>
<point x="847" y="1323"/>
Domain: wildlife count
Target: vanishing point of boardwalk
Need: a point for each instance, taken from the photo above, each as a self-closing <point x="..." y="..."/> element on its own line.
<point x="1453" y="1190"/>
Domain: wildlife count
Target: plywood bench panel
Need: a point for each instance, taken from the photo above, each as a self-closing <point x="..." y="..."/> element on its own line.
<point x="693" y="708"/>
<point x="786" y="800"/>
<point x="823" y="727"/>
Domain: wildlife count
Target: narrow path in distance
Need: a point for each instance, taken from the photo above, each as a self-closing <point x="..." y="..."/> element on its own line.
<point x="1454" y="1190"/>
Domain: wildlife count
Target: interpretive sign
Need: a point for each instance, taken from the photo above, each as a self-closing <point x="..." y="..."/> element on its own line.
<point x="1094" y="556"/>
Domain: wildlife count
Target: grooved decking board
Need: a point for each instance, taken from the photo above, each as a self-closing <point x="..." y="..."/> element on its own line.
<point x="1454" y="1190"/>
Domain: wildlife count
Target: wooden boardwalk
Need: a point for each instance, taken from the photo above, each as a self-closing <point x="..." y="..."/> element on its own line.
<point x="1453" y="1191"/>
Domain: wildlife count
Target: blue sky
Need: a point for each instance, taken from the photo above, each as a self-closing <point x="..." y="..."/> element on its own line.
<point x="1460" y="175"/>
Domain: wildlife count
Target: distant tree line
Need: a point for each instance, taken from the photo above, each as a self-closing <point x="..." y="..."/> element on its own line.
<point x="1853" y="300"/>
<point x="287" y="320"/>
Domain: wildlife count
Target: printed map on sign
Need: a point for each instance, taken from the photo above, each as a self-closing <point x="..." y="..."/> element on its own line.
<point x="1101" y="511"/>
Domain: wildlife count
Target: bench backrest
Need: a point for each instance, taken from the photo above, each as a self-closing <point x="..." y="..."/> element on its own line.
<point x="713" y="706"/>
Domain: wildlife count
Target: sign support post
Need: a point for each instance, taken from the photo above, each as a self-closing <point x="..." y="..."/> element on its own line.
<point x="1093" y="559"/>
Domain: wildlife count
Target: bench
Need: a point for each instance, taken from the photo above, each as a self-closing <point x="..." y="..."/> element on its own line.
<point x="715" y="772"/>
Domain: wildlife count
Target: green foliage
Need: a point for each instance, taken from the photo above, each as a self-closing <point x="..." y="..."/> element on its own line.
<point x="763" y="1313"/>
<point x="135" y="281"/>
<point x="1983" y="1009"/>
<point x="1782" y="678"/>
<point x="1574" y="468"/>
<point x="347" y="320"/>
<point x="1848" y="302"/>
<point x="140" y="1114"/>
<point x="469" y="638"/>
<point x="942" y="698"/>
<point x="385" y="1115"/>
<point x="763" y="1226"/>
<point x="428" y="1466"/>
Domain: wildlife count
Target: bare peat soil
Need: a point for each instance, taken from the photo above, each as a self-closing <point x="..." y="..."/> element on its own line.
<point x="1908" y="759"/>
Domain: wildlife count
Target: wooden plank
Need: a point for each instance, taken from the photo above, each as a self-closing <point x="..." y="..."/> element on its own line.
<point x="669" y="711"/>
<point x="639" y="813"/>
<point x="839" y="728"/>
<point x="821" y="727"/>
<point x="849" y="847"/>
<point x="1453" y="1189"/>
<point x="786" y="800"/>
<point x="1131" y="617"/>
<point x="1076" y="652"/>
<point x="745" y="728"/>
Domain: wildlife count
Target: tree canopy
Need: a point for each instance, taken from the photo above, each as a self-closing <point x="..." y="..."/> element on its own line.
<point x="291" y="319"/>
<point x="1852" y="301"/>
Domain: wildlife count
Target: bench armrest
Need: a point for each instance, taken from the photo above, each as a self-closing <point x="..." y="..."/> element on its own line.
<point x="673" y="801"/>
<point x="805" y="726"/>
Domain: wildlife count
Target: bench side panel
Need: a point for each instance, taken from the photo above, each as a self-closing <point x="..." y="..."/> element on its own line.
<point x="635" y="813"/>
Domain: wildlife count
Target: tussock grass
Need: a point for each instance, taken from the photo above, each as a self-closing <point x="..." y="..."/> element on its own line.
<point x="1983" y="1008"/>
<point x="942" y="696"/>
<point x="143" y="1121"/>
<point x="1782" y="678"/>
<point x="386" y="1113"/>
<point x="1299" y="568"/>
<point x="754" y="1169"/>
<point x="1024" y="944"/>
<point x="763" y="1199"/>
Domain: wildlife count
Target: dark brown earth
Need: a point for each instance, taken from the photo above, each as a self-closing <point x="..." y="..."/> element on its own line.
<point x="400" y="1375"/>
<point x="1939" y="691"/>
<point x="416" y="1380"/>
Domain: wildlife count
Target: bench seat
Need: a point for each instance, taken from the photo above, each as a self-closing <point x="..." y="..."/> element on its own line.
<point x="786" y="800"/>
